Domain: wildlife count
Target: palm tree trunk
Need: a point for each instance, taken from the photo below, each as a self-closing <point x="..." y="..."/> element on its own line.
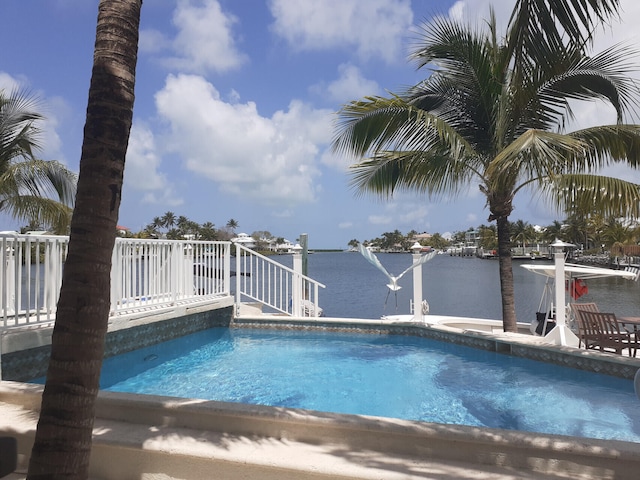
<point x="63" y="438"/>
<point x="506" y="276"/>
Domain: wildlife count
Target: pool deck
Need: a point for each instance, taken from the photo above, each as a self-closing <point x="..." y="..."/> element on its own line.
<point x="160" y="438"/>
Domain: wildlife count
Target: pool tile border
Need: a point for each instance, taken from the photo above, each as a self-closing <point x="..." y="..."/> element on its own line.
<point x="604" y="363"/>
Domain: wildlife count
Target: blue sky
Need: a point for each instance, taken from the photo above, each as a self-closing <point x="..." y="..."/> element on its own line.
<point x="235" y="103"/>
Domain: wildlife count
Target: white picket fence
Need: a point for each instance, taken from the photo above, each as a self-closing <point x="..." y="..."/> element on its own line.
<point x="148" y="275"/>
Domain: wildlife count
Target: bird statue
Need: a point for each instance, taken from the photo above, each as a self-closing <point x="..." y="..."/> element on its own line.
<point x="393" y="286"/>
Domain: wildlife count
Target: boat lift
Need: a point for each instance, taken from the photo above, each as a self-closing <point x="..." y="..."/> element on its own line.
<point x="561" y="334"/>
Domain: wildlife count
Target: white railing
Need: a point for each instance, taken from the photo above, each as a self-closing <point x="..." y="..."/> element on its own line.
<point x="282" y="289"/>
<point x="157" y="273"/>
<point x="30" y="277"/>
<point x="146" y="274"/>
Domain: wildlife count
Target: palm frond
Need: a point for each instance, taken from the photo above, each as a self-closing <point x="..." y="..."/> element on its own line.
<point x="607" y="144"/>
<point x="432" y="171"/>
<point x="538" y="27"/>
<point x="607" y="196"/>
<point x="19" y="132"/>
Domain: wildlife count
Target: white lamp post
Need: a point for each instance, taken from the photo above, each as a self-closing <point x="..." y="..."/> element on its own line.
<point x="561" y="334"/>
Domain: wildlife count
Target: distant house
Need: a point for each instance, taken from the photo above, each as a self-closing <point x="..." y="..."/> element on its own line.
<point x="122" y="231"/>
<point x="244" y="240"/>
<point x="285" y="247"/>
<point x="420" y="237"/>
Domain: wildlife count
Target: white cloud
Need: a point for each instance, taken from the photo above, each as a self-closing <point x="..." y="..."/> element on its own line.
<point x="9" y="83"/>
<point x="205" y="39"/>
<point x="345" y="225"/>
<point x="143" y="169"/>
<point x="380" y="219"/>
<point x="349" y="85"/>
<point x="272" y="160"/>
<point x="374" y="28"/>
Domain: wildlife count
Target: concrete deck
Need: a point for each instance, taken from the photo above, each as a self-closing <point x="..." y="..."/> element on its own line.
<point x="159" y="438"/>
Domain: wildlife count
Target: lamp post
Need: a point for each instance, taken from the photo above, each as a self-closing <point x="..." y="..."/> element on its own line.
<point x="561" y="334"/>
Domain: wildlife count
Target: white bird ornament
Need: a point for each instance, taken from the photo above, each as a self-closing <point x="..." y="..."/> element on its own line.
<point x="393" y="286"/>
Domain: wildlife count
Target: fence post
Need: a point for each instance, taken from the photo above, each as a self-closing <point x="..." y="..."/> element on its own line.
<point x="417" y="283"/>
<point x="296" y="287"/>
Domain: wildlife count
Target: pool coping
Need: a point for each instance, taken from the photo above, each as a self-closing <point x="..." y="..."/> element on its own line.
<point x="193" y="434"/>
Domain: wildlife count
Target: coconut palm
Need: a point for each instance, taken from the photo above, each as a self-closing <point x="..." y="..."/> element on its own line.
<point x="553" y="232"/>
<point x="62" y="444"/>
<point x="522" y="233"/>
<point x="487" y="115"/>
<point x="232" y="225"/>
<point x="32" y="190"/>
<point x="168" y="220"/>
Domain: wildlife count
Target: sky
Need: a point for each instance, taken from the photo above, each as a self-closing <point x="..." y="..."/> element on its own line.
<point x="236" y="105"/>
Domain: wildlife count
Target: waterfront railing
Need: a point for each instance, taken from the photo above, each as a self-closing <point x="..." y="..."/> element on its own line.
<point x="282" y="290"/>
<point x="30" y="277"/>
<point x="148" y="275"/>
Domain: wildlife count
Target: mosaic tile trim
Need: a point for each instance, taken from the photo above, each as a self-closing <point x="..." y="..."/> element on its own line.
<point x="613" y="365"/>
<point x="32" y="363"/>
<point x="28" y="364"/>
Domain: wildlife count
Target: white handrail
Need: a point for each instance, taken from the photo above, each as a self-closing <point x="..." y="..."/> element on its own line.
<point x="149" y="274"/>
<point x="281" y="289"/>
<point x="146" y="274"/>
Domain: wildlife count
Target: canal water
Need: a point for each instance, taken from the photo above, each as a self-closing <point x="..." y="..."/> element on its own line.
<point x="458" y="286"/>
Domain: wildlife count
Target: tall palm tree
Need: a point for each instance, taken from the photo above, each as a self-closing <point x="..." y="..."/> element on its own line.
<point x="63" y="438"/>
<point x="169" y="220"/>
<point x="553" y="232"/>
<point x="489" y="114"/>
<point x="522" y="233"/>
<point x="31" y="190"/>
<point x="232" y="225"/>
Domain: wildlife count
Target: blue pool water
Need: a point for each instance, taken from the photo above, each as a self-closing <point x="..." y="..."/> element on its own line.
<point x="383" y="375"/>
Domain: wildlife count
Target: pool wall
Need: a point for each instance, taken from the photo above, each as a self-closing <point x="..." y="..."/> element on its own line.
<point x="193" y="439"/>
<point x="525" y="346"/>
<point x="25" y="352"/>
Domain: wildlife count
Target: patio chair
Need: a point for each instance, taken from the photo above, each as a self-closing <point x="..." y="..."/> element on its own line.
<point x="586" y="335"/>
<point x="609" y="334"/>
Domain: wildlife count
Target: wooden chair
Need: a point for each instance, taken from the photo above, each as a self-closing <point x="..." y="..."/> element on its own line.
<point x="606" y="333"/>
<point x="586" y="334"/>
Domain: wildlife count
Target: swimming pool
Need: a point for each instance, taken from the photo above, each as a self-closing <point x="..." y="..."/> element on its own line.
<point x="383" y="375"/>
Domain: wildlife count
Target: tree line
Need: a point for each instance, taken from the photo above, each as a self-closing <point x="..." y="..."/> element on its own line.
<point x="592" y="234"/>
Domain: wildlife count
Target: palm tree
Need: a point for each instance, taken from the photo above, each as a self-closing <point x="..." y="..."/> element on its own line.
<point x="490" y="113"/>
<point x="553" y="232"/>
<point x="522" y="233"/>
<point x="63" y="437"/>
<point x="615" y="231"/>
<point x="232" y="225"/>
<point x="168" y="220"/>
<point x="32" y="190"/>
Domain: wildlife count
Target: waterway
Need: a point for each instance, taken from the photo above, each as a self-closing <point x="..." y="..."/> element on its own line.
<point x="458" y="286"/>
